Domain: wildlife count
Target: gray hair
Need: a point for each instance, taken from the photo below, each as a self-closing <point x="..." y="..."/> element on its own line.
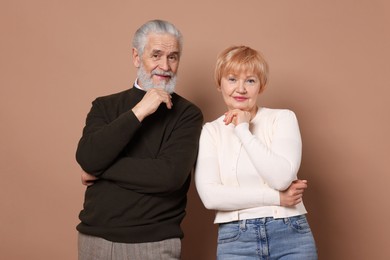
<point x="155" y="26"/>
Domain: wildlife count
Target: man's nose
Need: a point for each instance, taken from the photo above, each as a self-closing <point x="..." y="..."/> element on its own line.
<point x="164" y="64"/>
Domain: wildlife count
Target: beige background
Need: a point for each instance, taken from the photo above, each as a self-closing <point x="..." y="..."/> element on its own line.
<point x="329" y="63"/>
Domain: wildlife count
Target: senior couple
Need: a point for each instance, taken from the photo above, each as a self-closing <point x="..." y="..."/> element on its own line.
<point x="139" y="146"/>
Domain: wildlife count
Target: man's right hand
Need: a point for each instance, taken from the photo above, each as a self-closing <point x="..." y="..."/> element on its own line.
<point x="87" y="179"/>
<point x="293" y="195"/>
<point x="151" y="101"/>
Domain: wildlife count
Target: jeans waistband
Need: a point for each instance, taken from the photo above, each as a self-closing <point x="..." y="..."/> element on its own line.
<point x="255" y="220"/>
<point x="259" y="220"/>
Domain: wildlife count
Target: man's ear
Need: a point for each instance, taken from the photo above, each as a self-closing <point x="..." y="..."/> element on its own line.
<point x="136" y="58"/>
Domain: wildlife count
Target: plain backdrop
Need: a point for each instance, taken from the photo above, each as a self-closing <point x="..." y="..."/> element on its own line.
<point x="329" y="63"/>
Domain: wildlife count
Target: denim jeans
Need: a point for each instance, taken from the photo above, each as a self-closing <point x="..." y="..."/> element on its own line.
<point x="266" y="239"/>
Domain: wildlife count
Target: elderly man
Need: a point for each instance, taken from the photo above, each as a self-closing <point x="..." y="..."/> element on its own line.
<point x="137" y="150"/>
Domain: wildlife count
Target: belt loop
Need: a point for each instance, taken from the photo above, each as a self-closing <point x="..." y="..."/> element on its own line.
<point x="243" y="224"/>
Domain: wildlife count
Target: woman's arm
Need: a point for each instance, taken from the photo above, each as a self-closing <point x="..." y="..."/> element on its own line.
<point x="277" y="163"/>
<point x="218" y="196"/>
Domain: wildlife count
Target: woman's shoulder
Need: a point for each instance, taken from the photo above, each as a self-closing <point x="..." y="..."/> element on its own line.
<point x="215" y="126"/>
<point x="275" y="112"/>
<point x="216" y="123"/>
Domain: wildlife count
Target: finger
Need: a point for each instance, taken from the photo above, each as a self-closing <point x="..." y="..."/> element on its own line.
<point x="88" y="177"/>
<point x="227" y="119"/>
<point x="85" y="182"/>
<point x="168" y="102"/>
<point x="161" y="96"/>
<point x="300" y="185"/>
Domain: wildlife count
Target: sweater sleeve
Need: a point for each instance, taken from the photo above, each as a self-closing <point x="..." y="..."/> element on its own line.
<point x="213" y="193"/>
<point x="170" y="169"/>
<point x="103" y="141"/>
<point x="278" y="164"/>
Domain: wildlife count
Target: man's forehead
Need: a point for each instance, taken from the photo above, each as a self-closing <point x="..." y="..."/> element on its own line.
<point x="162" y="43"/>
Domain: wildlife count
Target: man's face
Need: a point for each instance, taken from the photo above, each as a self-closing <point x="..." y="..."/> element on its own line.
<point x="159" y="62"/>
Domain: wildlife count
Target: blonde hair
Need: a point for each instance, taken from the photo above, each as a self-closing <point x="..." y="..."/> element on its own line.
<point x="241" y="58"/>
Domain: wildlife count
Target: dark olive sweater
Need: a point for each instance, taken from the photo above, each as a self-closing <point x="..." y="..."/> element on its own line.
<point x="144" y="168"/>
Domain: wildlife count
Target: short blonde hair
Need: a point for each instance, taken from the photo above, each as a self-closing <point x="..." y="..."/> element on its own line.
<point x="241" y="58"/>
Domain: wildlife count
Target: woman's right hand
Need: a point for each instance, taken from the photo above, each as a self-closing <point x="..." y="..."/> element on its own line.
<point x="294" y="193"/>
<point x="237" y="116"/>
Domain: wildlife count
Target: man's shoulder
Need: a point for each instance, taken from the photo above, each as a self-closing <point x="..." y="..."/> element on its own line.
<point x="114" y="96"/>
<point x="184" y="103"/>
<point x="122" y="99"/>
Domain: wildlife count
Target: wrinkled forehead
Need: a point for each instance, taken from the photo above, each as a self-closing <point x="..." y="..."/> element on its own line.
<point x="163" y="42"/>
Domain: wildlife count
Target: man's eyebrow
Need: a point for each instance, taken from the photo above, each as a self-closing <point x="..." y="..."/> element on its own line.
<point x="174" y="53"/>
<point x="157" y="51"/>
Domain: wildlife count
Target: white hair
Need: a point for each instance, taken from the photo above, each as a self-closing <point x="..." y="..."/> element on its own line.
<point x="155" y="26"/>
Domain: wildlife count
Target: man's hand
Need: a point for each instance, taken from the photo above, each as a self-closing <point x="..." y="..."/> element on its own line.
<point x="151" y="101"/>
<point x="87" y="179"/>
<point x="293" y="195"/>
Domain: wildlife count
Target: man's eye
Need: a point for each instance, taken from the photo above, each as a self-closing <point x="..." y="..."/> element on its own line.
<point x="172" y="57"/>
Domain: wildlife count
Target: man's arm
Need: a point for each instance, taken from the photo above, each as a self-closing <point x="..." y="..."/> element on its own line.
<point x="102" y="140"/>
<point x="171" y="167"/>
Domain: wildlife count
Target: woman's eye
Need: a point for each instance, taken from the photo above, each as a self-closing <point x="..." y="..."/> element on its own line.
<point x="231" y="79"/>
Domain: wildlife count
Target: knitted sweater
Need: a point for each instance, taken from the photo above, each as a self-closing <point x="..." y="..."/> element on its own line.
<point x="144" y="168"/>
<point x="240" y="170"/>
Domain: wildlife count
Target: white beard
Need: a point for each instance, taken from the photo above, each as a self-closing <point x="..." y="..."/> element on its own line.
<point x="145" y="80"/>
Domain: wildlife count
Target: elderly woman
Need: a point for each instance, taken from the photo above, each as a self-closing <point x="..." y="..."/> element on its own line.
<point x="247" y="168"/>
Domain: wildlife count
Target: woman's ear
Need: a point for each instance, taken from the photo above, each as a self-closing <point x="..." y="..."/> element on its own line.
<point x="261" y="89"/>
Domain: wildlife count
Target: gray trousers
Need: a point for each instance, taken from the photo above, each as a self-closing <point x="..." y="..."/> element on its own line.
<point x="96" y="248"/>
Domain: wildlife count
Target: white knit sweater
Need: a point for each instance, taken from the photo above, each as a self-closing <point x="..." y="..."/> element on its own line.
<point x="241" y="169"/>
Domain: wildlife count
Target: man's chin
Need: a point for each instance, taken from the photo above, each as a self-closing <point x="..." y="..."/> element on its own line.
<point x="161" y="83"/>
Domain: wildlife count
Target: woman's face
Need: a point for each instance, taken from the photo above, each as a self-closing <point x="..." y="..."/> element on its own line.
<point x="240" y="91"/>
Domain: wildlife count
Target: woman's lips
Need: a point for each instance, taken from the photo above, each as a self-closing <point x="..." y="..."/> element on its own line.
<point x="240" y="99"/>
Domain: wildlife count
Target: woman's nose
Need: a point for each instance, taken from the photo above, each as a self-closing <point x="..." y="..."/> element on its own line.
<point x="241" y="87"/>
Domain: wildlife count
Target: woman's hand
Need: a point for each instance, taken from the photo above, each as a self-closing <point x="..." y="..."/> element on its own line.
<point x="237" y="116"/>
<point x="294" y="193"/>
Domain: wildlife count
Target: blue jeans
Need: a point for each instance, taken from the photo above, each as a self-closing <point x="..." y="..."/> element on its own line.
<point x="266" y="239"/>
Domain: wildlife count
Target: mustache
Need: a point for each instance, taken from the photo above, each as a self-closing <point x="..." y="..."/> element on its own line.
<point x="162" y="73"/>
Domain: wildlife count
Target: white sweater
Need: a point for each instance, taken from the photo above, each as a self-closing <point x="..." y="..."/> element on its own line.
<point x="240" y="170"/>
